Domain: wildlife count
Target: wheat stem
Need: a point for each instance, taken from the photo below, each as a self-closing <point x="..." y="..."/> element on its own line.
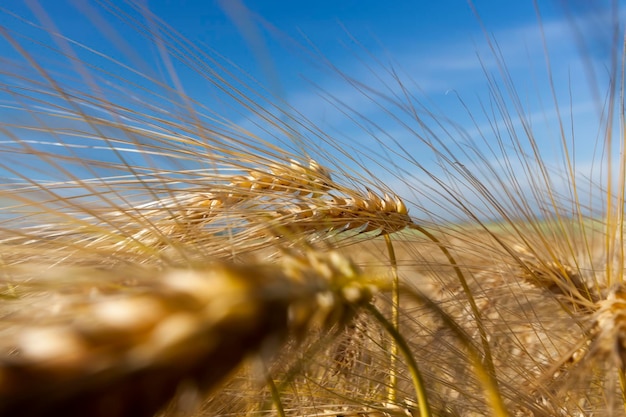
<point x="622" y="386"/>
<point x="488" y="358"/>
<point x="278" y="404"/>
<point x="484" y="374"/>
<point x="392" y="392"/>
<point x="416" y="376"/>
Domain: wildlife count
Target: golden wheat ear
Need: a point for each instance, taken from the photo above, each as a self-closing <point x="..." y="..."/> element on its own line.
<point x="294" y="202"/>
<point x="592" y="371"/>
<point x="126" y="353"/>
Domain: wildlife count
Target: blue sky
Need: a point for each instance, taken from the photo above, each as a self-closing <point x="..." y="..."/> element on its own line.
<point x="437" y="48"/>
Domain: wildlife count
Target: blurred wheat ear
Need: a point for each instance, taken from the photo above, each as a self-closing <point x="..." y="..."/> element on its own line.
<point x="127" y="352"/>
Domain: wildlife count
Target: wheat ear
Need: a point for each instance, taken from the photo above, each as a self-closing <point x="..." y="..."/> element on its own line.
<point x="125" y="354"/>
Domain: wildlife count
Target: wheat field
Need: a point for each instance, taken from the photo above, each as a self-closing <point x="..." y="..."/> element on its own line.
<point x="159" y="259"/>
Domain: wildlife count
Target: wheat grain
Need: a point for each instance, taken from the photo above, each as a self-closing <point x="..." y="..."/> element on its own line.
<point x="558" y="278"/>
<point x="610" y="320"/>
